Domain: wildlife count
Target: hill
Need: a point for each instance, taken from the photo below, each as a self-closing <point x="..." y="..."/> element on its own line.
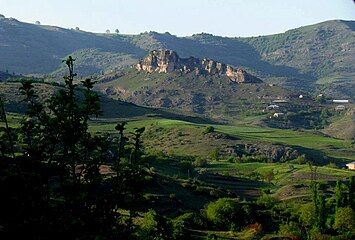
<point x="319" y="54"/>
<point x="112" y="109"/>
<point x="163" y="79"/>
<point x="28" y="48"/>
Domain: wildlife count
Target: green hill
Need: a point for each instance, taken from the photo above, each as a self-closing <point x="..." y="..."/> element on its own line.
<point x="319" y="54"/>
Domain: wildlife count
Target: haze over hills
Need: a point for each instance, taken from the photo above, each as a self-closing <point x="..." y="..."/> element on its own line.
<point x="316" y="54"/>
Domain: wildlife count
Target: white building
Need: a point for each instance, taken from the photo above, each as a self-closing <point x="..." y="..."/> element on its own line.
<point x="341" y="101"/>
<point x="276" y="115"/>
<point x="340" y="108"/>
<point x="272" y="106"/>
<point x="351" y="166"/>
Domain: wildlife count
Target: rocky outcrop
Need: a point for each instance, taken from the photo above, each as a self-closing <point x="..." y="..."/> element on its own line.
<point x="164" y="61"/>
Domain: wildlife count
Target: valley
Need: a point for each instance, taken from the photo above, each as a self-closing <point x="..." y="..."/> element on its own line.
<point x="155" y="136"/>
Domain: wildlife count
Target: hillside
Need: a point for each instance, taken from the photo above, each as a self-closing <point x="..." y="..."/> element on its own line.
<point x="215" y="95"/>
<point x="28" y="48"/>
<point x="317" y="54"/>
<point x="111" y="108"/>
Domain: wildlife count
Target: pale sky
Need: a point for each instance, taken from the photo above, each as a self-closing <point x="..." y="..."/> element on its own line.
<point x="180" y="17"/>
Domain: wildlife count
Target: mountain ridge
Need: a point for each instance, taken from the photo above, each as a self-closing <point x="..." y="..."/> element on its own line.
<point x="304" y="57"/>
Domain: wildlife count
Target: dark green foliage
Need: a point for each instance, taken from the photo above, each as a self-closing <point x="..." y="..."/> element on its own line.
<point x="340" y="195"/>
<point x="351" y="193"/>
<point x="215" y="154"/>
<point x="209" y="129"/>
<point x="345" y="221"/>
<point x="55" y="182"/>
<point x="225" y="211"/>
<point x="6" y="137"/>
<point x="319" y="205"/>
<point x="152" y="226"/>
<point x="181" y="224"/>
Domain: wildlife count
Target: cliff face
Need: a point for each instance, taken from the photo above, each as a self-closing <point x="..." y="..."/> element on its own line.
<point x="164" y="61"/>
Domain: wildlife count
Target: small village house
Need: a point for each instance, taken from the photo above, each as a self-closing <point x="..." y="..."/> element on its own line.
<point x="277" y="115"/>
<point x="340" y="108"/>
<point x="351" y="166"/>
<point x="341" y="101"/>
<point x="272" y="106"/>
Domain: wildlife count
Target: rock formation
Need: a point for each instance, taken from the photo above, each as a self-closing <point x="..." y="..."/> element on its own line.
<point x="164" y="61"/>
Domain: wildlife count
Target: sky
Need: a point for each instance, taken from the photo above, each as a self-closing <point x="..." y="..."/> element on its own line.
<point x="233" y="18"/>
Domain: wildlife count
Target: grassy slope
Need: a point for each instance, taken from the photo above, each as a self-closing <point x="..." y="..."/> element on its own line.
<point x="214" y="96"/>
<point x="111" y="108"/>
<point x="195" y="144"/>
<point x="342" y="127"/>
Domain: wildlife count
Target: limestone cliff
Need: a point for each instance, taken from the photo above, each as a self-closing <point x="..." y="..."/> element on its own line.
<point x="164" y="61"/>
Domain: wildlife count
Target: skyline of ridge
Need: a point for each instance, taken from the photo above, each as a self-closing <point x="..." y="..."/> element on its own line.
<point x="224" y="18"/>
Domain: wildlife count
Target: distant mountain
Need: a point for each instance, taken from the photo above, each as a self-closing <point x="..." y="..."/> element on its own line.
<point x="29" y="48"/>
<point x="321" y="54"/>
<point x="4" y="76"/>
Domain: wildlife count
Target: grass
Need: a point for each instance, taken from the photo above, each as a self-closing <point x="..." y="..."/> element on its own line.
<point x="334" y="148"/>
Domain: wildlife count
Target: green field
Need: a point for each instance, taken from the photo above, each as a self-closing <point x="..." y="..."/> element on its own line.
<point x="338" y="149"/>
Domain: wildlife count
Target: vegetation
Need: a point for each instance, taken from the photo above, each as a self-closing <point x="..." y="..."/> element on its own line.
<point x="76" y="164"/>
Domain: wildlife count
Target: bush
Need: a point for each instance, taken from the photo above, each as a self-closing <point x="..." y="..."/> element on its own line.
<point x="300" y="159"/>
<point x="200" y="162"/>
<point x="267" y="200"/>
<point x="307" y="214"/>
<point x="345" y="220"/>
<point x="208" y="129"/>
<point x="225" y="211"/>
<point x="180" y="225"/>
<point x="290" y="230"/>
<point x="214" y="154"/>
<point x="151" y="226"/>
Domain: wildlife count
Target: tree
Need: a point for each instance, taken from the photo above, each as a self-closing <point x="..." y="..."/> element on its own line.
<point x="120" y="127"/>
<point x="307" y="214"/>
<point x="7" y="130"/>
<point x="38" y="23"/>
<point x="77" y="28"/>
<point x="214" y="154"/>
<point x="117" y="31"/>
<point x="351" y="193"/>
<point x="108" y="31"/>
<point x="319" y="206"/>
<point x="269" y="176"/>
<point x="344" y="220"/>
<point x="340" y="195"/>
<point x="180" y="226"/>
<point x="151" y="226"/>
<point x="225" y="211"/>
<point x="208" y="129"/>
<point x="137" y="145"/>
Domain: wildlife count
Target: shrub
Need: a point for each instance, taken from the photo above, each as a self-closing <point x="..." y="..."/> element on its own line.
<point x="200" y="162"/>
<point x="225" y="211"/>
<point x="307" y="214"/>
<point x="300" y="159"/>
<point x="214" y="154"/>
<point x="344" y="220"/>
<point x="290" y="230"/>
<point x="267" y="200"/>
<point x="180" y="225"/>
<point x="208" y="129"/>
<point x="151" y="226"/>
